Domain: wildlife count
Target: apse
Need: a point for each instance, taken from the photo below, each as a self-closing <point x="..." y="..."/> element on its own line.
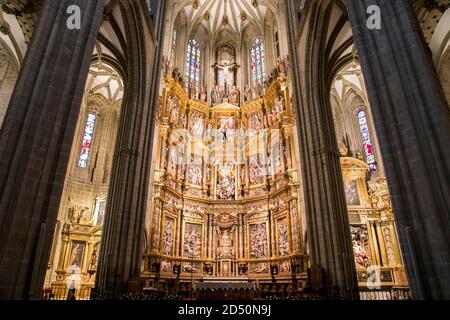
<point x="226" y="201"/>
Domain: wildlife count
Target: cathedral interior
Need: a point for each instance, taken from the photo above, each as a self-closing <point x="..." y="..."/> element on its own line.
<point x="190" y="148"/>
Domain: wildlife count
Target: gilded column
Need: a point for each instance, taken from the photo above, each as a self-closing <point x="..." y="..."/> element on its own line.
<point x="240" y="236"/>
<point x="382" y="245"/>
<point x="178" y="244"/>
<point x="398" y="258"/>
<point x="64" y="250"/>
<point x="375" y="251"/>
<point x="210" y="235"/>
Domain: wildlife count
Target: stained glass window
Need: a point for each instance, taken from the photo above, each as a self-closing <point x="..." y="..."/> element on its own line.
<point x="193" y="57"/>
<point x="87" y="141"/>
<point x="366" y="141"/>
<point x="257" y="56"/>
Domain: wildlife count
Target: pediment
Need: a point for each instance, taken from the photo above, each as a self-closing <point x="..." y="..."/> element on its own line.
<point x="226" y="107"/>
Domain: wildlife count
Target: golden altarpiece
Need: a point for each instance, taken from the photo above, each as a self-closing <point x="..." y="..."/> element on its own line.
<point x="226" y="194"/>
<point x="226" y="204"/>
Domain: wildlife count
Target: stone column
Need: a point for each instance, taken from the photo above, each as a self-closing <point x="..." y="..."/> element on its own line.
<point x="329" y="238"/>
<point x="36" y="140"/>
<point x="412" y="119"/>
<point x="121" y="253"/>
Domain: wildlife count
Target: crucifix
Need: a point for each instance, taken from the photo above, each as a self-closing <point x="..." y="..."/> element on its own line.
<point x="225" y="76"/>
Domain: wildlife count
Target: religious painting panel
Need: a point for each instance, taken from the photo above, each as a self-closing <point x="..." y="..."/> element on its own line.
<point x="255" y="123"/>
<point x="192" y="240"/>
<point x="76" y="254"/>
<point x="351" y="193"/>
<point x="226" y="187"/>
<point x="172" y="162"/>
<point x="168" y="237"/>
<point x="276" y="111"/>
<point x="226" y="130"/>
<point x="194" y="174"/>
<point x="255" y="171"/>
<point x="259" y="241"/>
<point x="285" y="266"/>
<point x="361" y="249"/>
<point x="197" y="124"/>
<point x="283" y="237"/>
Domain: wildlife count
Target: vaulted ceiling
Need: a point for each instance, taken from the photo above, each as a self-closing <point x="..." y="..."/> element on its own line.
<point x="233" y="15"/>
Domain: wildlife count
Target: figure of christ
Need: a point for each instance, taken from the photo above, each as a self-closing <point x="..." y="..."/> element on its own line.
<point x="225" y="77"/>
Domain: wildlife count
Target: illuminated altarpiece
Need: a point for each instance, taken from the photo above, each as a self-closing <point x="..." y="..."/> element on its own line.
<point x="227" y="202"/>
<point x="226" y="196"/>
<point x="226" y="205"/>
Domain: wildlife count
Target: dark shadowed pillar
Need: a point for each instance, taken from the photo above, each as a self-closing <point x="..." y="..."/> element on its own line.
<point x="328" y="225"/>
<point x="121" y="252"/>
<point x="36" y="139"/>
<point x="413" y="125"/>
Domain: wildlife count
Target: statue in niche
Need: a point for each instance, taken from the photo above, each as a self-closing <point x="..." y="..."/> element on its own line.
<point x="248" y="93"/>
<point x="203" y="95"/>
<point x="257" y="91"/>
<point x="192" y="91"/>
<point x="281" y="66"/>
<point x="176" y="75"/>
<point x="235" y="95"/>
<point x="225" y="226"/>
<point x="225" y="182"/>
<point x="217" y="95"/>
<point x="343" y="151"/>
<point x="78" y="214"/>
<point x="213" y="96"/>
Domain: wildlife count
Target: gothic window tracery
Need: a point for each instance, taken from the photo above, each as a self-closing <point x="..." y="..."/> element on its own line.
<point x="257" y="61"/>
<point x="87" y="140"/>
<point x="366" y="140"/>
<point x="193" y="59"/>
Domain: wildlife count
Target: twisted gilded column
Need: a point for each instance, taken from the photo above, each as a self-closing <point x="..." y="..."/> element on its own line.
<point x="412" y="119"/>
<point x="36" y="140"/>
